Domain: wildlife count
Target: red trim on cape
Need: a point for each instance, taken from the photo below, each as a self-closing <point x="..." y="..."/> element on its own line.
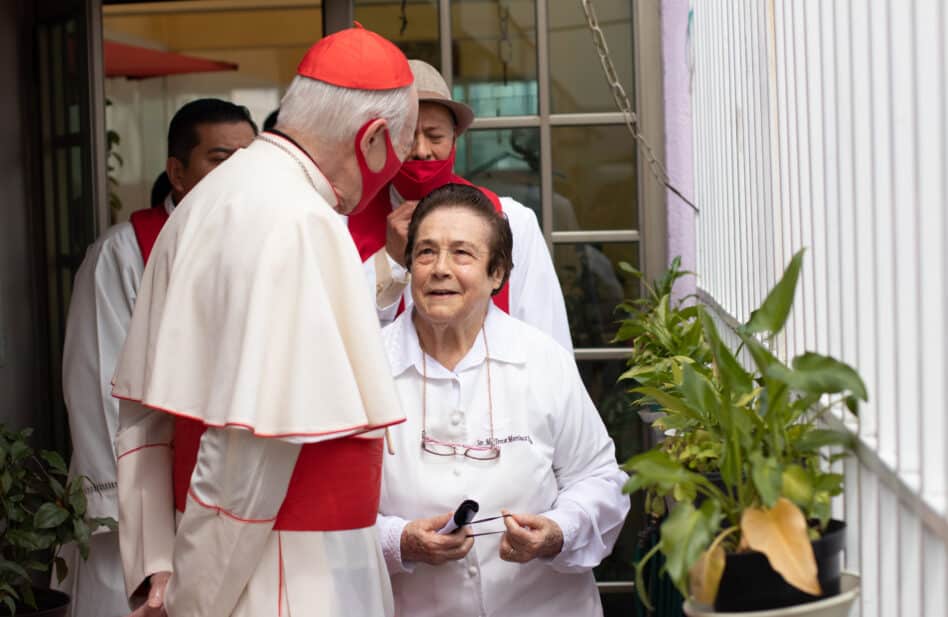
<point x="145" y="447"/>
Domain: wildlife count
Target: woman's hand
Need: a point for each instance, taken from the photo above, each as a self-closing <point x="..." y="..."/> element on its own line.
<point x="422" y="542"/>
<point x="529" y="536"/>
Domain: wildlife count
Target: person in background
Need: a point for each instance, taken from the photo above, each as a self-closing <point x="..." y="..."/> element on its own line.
<point x="253" y="381"/>
<point x="533" y="294"/>
<point x="202" y="134"/>
<point x="496" y="413"/>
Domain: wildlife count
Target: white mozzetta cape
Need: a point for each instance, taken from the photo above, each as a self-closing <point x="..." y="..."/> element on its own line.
<point x="253" y="310"/>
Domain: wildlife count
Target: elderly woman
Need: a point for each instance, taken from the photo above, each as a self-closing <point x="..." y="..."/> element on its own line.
<point x="497" y="413"/>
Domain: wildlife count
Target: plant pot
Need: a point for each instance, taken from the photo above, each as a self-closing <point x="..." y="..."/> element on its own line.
<point x="750" y="584"/>
<point x="49" y="603"/>
<point x="836" y="606"/>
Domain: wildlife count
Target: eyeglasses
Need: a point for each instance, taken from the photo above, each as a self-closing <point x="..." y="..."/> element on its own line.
<point x="447" y="448"/>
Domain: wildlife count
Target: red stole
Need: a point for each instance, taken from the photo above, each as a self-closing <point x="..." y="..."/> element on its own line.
<point x="368" y="232"/>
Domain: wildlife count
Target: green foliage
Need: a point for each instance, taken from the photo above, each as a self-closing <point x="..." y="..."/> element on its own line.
<point x="759" y="428"/>
<point x="43" y="508"/>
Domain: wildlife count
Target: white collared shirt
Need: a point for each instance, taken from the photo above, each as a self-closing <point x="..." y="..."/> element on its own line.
<point x="556" y="460"/>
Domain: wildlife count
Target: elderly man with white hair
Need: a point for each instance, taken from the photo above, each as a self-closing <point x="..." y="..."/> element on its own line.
<point x="253" y="381"/>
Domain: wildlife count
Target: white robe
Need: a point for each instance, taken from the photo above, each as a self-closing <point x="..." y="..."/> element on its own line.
<point x="103" y="296"/>
<point x="253" y="318"/>
<point x="556" y="460"/>
<point x="535" y="294"/>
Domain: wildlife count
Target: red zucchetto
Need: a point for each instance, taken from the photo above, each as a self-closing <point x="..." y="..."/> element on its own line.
<point x="357" y="58"/>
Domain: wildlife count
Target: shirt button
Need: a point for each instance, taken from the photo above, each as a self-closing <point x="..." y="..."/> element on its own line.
<point x="472" y="570"/>
<point x="457" y="472"/>
<point x="457" y="416"/>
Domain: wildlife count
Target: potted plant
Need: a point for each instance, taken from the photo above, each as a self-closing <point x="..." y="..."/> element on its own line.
<point x="666" y="334"/>
<point x="43" y="508"/>
<point x="761" y="538"/>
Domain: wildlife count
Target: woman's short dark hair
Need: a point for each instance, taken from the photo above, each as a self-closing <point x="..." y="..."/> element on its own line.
<point x="475" y="201"/>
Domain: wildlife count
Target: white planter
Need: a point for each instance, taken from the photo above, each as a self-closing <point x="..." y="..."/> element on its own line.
<point x="837" y="606"/>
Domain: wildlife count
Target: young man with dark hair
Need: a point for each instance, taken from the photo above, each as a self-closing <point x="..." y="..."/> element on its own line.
<point x="202" y="134"/>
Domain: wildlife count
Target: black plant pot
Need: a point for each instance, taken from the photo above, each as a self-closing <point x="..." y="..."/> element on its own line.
<point x="49" y="603"/>
<point x="750" y="584"/>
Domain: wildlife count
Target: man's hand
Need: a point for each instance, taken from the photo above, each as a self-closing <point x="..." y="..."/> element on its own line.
<point x="396" y="230"/>
<point x="528" y="537"/>
<point x="422" y="542"/>
<point x="154" y="606"/>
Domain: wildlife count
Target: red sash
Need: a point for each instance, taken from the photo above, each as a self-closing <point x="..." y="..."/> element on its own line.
<point x="368" y="232"/>
<point x="147" y="224"/>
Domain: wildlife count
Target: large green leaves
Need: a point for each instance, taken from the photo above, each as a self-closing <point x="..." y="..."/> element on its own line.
<point x="733" y="377"/>
<point x="772" y="314"/>
<point x="818" y="374"/>
<point x="686" y="533"/>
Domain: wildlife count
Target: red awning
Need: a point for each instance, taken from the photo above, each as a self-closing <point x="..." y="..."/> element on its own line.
<point x="135" y="62"/>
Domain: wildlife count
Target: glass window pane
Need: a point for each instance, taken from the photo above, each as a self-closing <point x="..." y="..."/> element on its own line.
<point x="593" y="285"/>
<point x="627" y="431"/>
<point x="414" y="29"/>
<point x="577" y="83"/>
<point x="594" y="178"/>
<point x="505" y="161"/>
<point x="495" y="56"/>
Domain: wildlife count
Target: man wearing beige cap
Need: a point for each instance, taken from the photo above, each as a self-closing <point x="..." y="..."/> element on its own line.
<point x="533" y="293"/>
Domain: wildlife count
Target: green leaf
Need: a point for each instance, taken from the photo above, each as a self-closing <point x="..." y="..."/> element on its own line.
<point x="815" y="439"/>
<point x="49" y="515"/>
<point x="81" y="531"/>
<point x="686" y="533"/>
<point x="733" y="376"/>
<point x="797" y="486"/>
<point x="61" y="568"/>
<point x="772" y="314"/>
<point x="766" y="473"/>
<point x="77" y="496"/>
<point x="655" y="468"/>
<point x="54" y="461"/>
<point x="698" y="392"/>
<point x="11" y="605"/>
<point x="818" y="374"/>
<point x="6" y="482"/>
<point x="667" y="401"/>
<point x="14" y="569"/>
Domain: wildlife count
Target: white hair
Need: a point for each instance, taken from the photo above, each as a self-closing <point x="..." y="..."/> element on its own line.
<point x="336" y="114"/>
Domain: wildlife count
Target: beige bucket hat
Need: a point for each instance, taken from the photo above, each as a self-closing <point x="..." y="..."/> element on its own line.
<point x="433" y="89"/>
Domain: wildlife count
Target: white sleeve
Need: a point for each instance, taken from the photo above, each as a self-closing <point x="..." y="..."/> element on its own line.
<point x="100" y="310"/>
<point x="237" y="488"/>
<point x="145" y="494"/>
<point x="390" y="530"/>
<point x="590" y="507"/>
<point x="387" y="280"/>
<point x="535" y="294"/>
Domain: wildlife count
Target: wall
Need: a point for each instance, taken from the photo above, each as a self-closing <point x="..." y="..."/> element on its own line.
<point x="676" y="42"/>
<point x="821" y="125"/>
<point x="18" y="341"/>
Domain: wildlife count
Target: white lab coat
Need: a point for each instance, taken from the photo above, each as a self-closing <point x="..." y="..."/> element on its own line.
<point x="103" y="296"/>
<point x="535" y="294"/>
<point x="556" y="460"/>
<point x="251" y="311"/>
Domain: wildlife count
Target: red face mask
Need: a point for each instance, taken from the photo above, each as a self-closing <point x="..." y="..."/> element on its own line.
<point x="373" y="181"/>
<point x="418" y="178"/>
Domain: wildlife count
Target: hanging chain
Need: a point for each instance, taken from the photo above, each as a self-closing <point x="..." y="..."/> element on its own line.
<point x="403" y="17"/>
<point x="624" y="104"/>
<point x="504" y="47"/>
